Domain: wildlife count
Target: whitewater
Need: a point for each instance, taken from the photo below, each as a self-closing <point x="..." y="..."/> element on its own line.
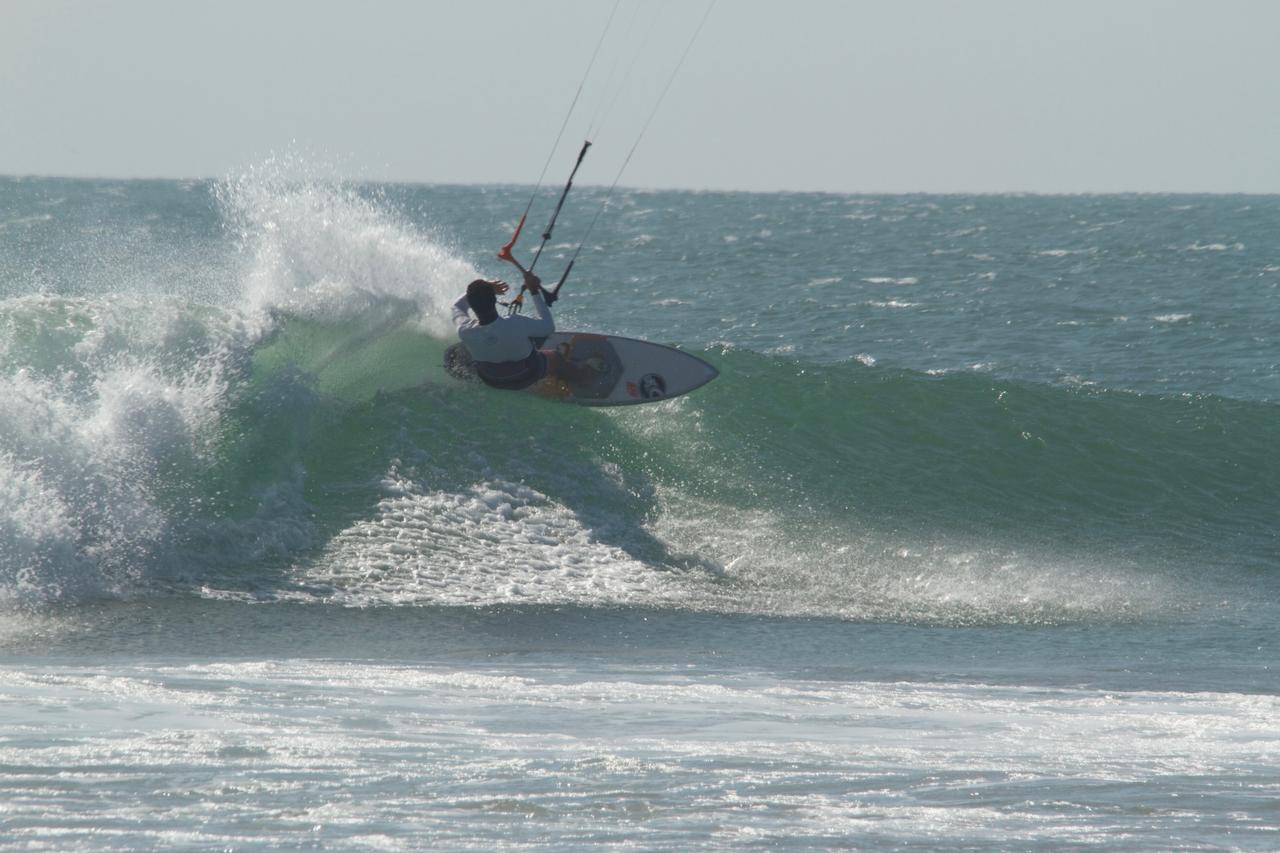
<point x="972" y="544"/>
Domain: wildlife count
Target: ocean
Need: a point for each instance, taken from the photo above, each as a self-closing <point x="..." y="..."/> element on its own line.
<point x="972" y="544"/>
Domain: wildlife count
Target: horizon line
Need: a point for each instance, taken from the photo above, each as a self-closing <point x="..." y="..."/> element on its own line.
<point x="637" y="188"/>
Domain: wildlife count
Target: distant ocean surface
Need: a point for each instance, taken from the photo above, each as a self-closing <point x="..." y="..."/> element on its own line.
<point x="973" y="543"/>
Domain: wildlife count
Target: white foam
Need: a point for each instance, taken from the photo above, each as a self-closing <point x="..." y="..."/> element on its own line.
<point x="478" y="756"/>
<point x="129" y="392"/>
<point x="1063" y="253"/>
<point x="964" y="232"/>
<point x="112" y="407"/>
<point x="496" y="542"/>
<point x="1214" y="247"/>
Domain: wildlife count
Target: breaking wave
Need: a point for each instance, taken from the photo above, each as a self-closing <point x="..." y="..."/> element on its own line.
<point x="294" y="438"/>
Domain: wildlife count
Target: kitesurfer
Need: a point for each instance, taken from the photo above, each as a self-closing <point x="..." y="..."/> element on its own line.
<point x="501" y="348"/>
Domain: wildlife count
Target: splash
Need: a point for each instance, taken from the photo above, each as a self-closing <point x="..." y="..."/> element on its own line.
<point x="126" y="414"/>
<point x="106" y="406"/>
<point x="327" y="251"/>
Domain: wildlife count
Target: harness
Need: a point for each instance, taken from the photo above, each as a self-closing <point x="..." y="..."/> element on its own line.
<point x="513" y="375"/>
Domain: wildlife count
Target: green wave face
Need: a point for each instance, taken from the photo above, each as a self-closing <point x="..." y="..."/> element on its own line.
<point x="336" y="461"/>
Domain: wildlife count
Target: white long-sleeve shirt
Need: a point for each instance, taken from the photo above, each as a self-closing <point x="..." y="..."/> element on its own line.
<point x="506" y="338"/>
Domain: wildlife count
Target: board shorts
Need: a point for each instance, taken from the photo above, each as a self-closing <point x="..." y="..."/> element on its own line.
<point x="513" y="375"/>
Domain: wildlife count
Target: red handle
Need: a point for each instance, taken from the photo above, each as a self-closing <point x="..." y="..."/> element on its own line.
<point x="504" y="254"/>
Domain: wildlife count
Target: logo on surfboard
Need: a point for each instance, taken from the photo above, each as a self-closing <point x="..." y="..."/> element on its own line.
<point x="652" y="387"/>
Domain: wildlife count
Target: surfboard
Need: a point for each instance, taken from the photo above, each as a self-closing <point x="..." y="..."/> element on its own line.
<point x="605" y="370"/>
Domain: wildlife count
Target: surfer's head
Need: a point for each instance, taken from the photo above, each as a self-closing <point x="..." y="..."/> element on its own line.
<point x="482" y="299"/>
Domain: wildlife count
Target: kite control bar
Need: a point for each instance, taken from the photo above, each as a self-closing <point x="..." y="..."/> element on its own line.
<point x="504" y="253"/>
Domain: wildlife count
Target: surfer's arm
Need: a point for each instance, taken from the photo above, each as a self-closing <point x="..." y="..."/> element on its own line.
<point x="542" y="315"/>
<point x="460" y="312"/>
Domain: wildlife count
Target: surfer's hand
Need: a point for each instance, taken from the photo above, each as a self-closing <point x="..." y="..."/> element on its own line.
<point x="499" y="287"/>
<point x="532" y="282"/>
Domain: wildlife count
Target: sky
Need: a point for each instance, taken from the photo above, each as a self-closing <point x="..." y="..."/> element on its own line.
<point x="1050" y="96"/>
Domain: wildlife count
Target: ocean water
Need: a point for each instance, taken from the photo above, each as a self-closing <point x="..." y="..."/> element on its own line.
<point x="972" y="544"/>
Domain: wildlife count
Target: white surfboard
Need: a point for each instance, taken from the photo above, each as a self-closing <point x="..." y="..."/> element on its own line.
<point x="610" y="371"/>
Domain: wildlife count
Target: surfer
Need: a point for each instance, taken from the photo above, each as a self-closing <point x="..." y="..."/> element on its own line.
<point x="500" y="347"/>
<point x="504" y="355"/>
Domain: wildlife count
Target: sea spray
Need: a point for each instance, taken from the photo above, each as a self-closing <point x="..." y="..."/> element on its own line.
<point x="129" y="413"/>
<point x="326" y="251"/>
<point x="109" y="409"/>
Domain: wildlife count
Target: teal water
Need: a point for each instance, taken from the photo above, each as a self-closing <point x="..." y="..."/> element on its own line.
<point x="972" y="544"/>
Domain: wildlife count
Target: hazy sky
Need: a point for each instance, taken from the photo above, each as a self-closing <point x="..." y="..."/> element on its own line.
<point x="838" y="95"/>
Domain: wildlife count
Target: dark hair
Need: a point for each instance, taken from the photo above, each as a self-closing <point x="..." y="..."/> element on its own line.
<point x="481" y="298"/>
